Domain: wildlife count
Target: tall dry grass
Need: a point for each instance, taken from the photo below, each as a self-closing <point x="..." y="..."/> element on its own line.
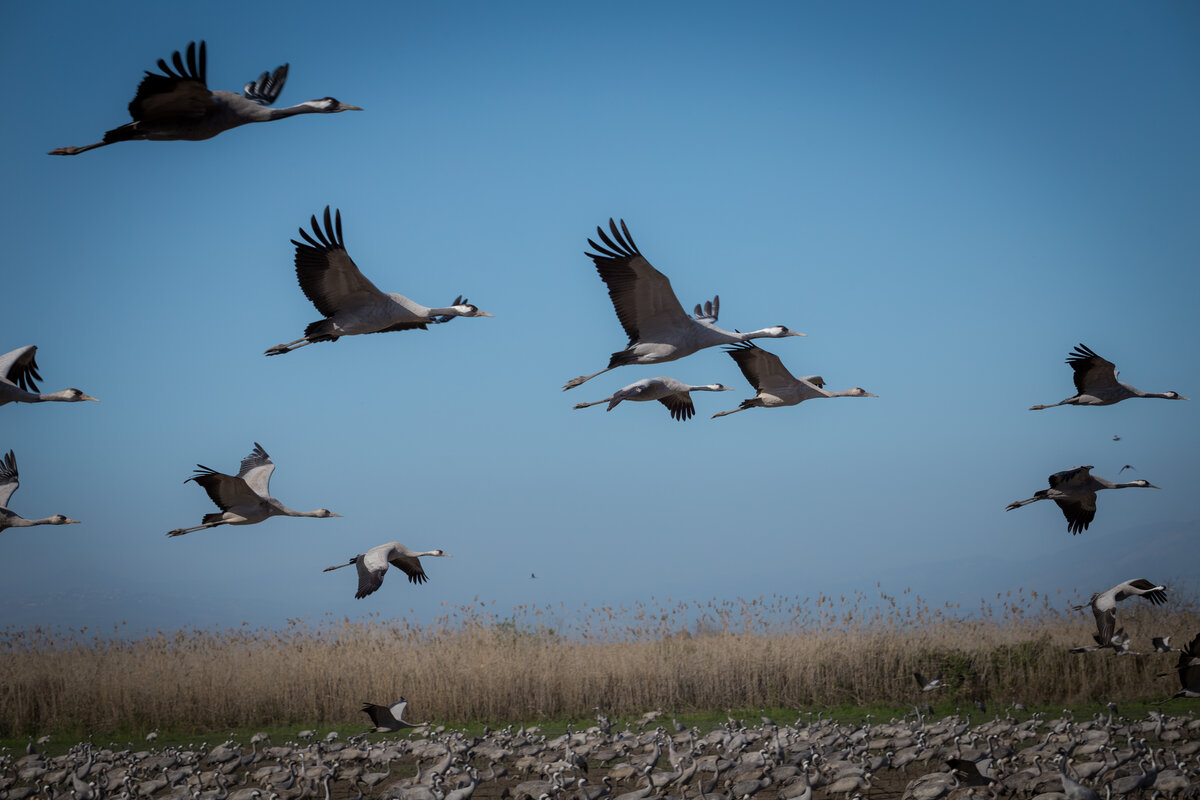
<point x="549" y="662"/>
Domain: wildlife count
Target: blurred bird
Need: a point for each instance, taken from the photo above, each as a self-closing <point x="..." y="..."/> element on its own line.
<point x="351" y="304"/>
<point x="658" y="328"/>
<point x="1074" y="491"/>
<point x="1127" y="466"/>
<point x="245" y="498"/>
<point x="373" y="565"/>
<point x="928" y="686"/>
<point x="387" y="719"/>
<point x="1162" y="644"/>
<point x="671" y="393"/>
<point x="1096" y="383"/>
<point x="178" y="104"/>
<point x="18" y="376"/>
<point x="8" y="485"/>
<point x="1188" y="670"/>
<point x="774" y="384"/>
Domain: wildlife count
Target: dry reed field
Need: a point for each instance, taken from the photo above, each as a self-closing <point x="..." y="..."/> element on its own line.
<point x="551" y="663"/>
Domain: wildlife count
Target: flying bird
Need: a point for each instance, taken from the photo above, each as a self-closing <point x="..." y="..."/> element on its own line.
<point x="19" y="376"/>
<point x="658" y="328"/>
<point x="1127" y="466"/>
<point x="8" y="485"/>
<point x="245" y="498"/>
<point x="1074" y="490"/>
<point x="387" y="719"/>
<point x="1096" y="383"/>
<point x="1104" y="604"/>
<point x="774" y="384"/>
<point x="350" y="303"/>
<point x="673" y="394"/>
<point x="177" y="104"/>
<point x="1162" y="644"/>
<point x="1188" y="670"/>
<point x="928" y="686"/>
<point x="373" y="565"/>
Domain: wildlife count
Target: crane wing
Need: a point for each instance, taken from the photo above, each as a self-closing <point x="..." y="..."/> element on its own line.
<point x="680" y="405"/>
<point x="256" y="471"/>
<point x="368" y="579"/>
<point x="176" y="94"/>
<point x="328" y="276"/>
<point x="1070" y="478"/>
<point x="763" y="369"/>
<point x="397" y="709"/>
<point x="226" y="491"/>
<point x="410" y="566"/>
<point x="380" y="715"/>
<point x="19" y="367"/>
<point x="8" y="478"/>
<point x="1149" y="590"/>
<point x="1106" y="621"/>
<point x="1091" y="371"/>
<point x="266" y="89"/>
<point x="641" y="295"/>
<point x="1079" y="510"/>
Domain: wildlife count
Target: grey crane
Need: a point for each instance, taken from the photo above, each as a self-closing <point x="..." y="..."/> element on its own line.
<point x="1104" y="604"/>
<point x="1074" y="491"/>
<point x="350" y="303"/>
<point x="658" y="328"/>
<point x="19" y="376"/>
<point x="673" y="394"/>
<point x="8" y="485"/>
<point x="245" y="498"/>
<point x="775" y="386"/>
<point x="177" y="104"/>
<point x="1096" y="383"/>
<point x="387" y="719"/>
<point x="930" y="685"/>
<point x="373" y="565"/>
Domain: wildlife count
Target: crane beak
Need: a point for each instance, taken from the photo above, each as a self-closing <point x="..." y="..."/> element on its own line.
<point x="348" y="107"/>
<point x="868" y="394"/>
<point x="70" y="521"/>
<point x="796" y="333"/>
<point x="1150" y="485"/>
<point x="89" y="397"/>
<point x="483" y="314"/>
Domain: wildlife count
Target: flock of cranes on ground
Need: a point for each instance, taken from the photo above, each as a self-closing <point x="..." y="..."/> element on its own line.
<point x="176" y="104"/>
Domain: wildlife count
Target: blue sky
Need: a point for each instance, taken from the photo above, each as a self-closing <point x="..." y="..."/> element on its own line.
<point x="945" y="197"/>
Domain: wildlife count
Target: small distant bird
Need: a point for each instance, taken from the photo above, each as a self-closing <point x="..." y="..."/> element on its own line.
<point x="1104" y="604"/>
<point x="1127" y="466"/>
<point x="373" y="565"/>
<point x="531" y="575"/>
<point x="1074" y="491"/>
<point x="775" y="386"/>
<point x="387" y="719"/>
<point x="18" y="376"/>
<point x="8" y="484"/>
<point x="245" y="498"/>
<point x="1162" y="644"/>
<point x="1188" y="670"/>
<point x="350" y="303"/>
<point x="658" y="328"/>
<point x="1115" y="438"/>
<point x="1096" y="383"/>
<point x="671" y="393"/>
<point x="178" y="104"/>
<point x="928" y="686"/>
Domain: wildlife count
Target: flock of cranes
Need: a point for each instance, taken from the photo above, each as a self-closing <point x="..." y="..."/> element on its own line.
<point x="176" y="104"/>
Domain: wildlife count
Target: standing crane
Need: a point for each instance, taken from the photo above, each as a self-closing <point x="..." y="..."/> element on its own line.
<point x="245" y="498"/>
<point x="1096" y="383"/>
<point x="673" y="394"/>
<point x="178" y="104"/>
<point x="1104" y="604"/>
<point x="350" y="303"/>
<point x="1074" y="491"/>
<point x="775" y="386"/>
<point x="373" y="565"/>
<point x="19" y="376"/>
<point x="658" y="328"/>
<point x="8" y="485"/>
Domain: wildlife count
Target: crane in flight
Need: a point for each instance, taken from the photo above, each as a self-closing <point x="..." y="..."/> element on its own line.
<point x="658" y="328"/>
<point x="19" y="376"/>
<point x="245" y="498"/>
<point x="350" y="303"/>
<point x="373" y="565"/>
<point x="775" y="386"/>
<point x="1074" y="491"/>
<point x="1104" y="604"/>
<point x="675" y="395"/>
<point x="177" y="104"/>
<point x="8" y="484"/>
<point x="1096" y="383"/>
